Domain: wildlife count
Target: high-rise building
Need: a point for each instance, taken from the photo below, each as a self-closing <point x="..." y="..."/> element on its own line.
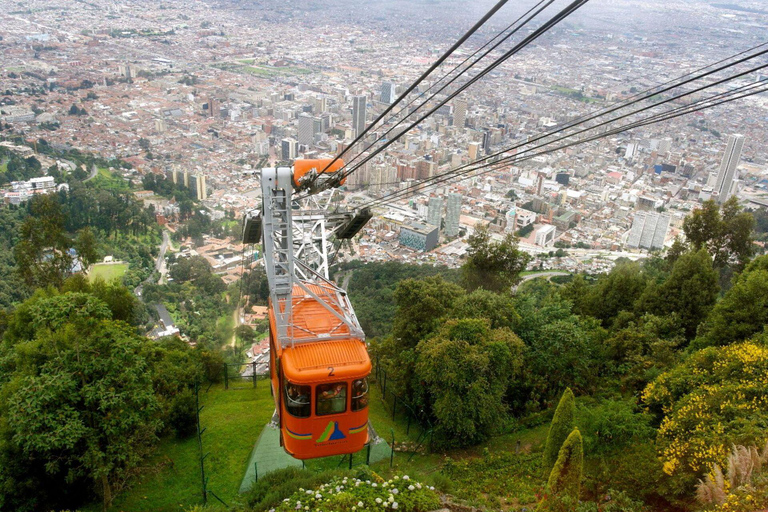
<point x="290" y="149"/>
<point x="358" y="114"/>
<point x="459" y="113"/>
<point x="728" y="167"/>
<point x="388" y="94"/>
<point x="649" y="230"/>
<point x="435" y="212"/>
<point x="452" y="215"/>
<point x="306" y="130"/>
<point x="198" y="187"/>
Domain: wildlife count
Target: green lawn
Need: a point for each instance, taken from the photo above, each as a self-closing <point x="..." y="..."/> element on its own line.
<point x="110" y="181"/>
<point x="108" y="271"/>
<point x="233" y="420"/>
<point x="3" y="166"/>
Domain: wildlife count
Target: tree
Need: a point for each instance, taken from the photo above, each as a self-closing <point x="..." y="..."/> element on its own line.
<point x="743" y="310"/>
<point x="499" y="308"/>
<point x="613" y="293"/>
<point x="81" y="395"/>
<point x="491" y="265"/>
<point x="42" y="253"/>
<point x="690" y="291"/>
<point x="465" y="370"/>
<point x="716" y="398"/>
<point x="564" y="483"/>
<point x="421" y="304"/>
<point x="85" y="245"/>
<point x="725" y="232"/>
<point x="562" y="425"/>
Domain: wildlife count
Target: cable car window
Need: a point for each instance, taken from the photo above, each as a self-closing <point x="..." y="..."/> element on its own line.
<point x="298" y="400"/>
<point x="359" y="394"/>
<point x="331" y="398"/>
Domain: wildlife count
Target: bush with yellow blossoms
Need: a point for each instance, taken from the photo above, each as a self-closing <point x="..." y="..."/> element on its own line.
<point x="716" y="398"/>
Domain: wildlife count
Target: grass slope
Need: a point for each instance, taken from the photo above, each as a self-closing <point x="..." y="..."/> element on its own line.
<point x="107" y="271"/>
<point x="233" y="419"/>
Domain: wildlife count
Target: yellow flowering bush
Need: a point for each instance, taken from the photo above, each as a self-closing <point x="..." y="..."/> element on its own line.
<point x="716" y="398"/>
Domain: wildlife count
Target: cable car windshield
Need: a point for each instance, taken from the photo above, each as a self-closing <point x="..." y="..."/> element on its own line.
<point x="331" y="398"/>
<point x="360" y="394"/>
<point x="298" y="400"/>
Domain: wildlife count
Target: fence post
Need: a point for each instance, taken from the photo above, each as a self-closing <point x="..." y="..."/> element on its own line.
<point x="392" y="451"/>
<point x="253" y="367"/>
<point x="384" y="385"/>
<point x="350" y="460"/>
<point x="226" y="376"/>
<point x="255" y="472"/>
<point x="368" y="455"/>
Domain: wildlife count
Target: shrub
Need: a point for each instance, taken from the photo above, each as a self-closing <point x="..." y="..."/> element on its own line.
<point x="564" y="484"/>
<point x="717" y="398"/>
<point x="348" y="494"/>
<point x="561" y="427"/>
<point x="182" y="417"/>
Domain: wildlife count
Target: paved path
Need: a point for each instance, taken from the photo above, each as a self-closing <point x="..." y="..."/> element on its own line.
<point x="548" y="275"/>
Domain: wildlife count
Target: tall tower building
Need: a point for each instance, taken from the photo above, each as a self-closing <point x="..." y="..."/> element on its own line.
<point x="728" y="167"/>
<point x="388" y="95"/>
<point x="452" y="215"/>
<point x="198" y="186"/>
<point x="435" y="212"/>
<point x="459" y="113"/>
<point x="358" y="114"/>
<point x="306" y="130"/>
<point x="290" y="148"/>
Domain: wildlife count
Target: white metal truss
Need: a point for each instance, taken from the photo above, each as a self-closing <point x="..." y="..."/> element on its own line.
<point x="297" y="239"/>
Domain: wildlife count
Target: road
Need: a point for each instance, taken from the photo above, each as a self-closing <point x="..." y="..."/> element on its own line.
<point x="92" y="174"/>
<point x="548" y="274"/>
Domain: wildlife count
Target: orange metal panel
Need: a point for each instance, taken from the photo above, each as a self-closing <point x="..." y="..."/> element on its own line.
<point x="326" y="361"/>
<point x="302" y="167"/>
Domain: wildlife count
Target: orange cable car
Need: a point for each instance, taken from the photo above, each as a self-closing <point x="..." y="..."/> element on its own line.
<point x="320" y="387"/>
<point x="319" y="363"/>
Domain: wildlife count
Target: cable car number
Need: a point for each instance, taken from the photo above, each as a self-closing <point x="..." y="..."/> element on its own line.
<point x="330" y="371"/>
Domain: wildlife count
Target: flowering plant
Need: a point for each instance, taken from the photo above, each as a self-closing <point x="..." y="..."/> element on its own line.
<point x="347" y="494"/>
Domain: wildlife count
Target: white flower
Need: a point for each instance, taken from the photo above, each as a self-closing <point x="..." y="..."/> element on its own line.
<point x="357" y="484"/>
<point x="309" y="492"/>
<point x="410" y="488"/>
<point x="306" y="508"/>
<point x="360" y="504"/>
<point x="394" y="505"/>
<point x="374" y="484"/>
<point x="406" y="477"/>
<point x="287" y="499"/>
<point x="367" y="481"/>
<point x="391" y="498"/>
<point x="378" y="500"/>
<point x="431" y="488"/>
<point x="418" y="485"/>
<point x="397" y="477"/>
<point x="385" y="484"/>
<point x="395" y="491"/>
<point x="318" y="496"/>
<point x="354" y="508"/>
<point x="386" y="504"/>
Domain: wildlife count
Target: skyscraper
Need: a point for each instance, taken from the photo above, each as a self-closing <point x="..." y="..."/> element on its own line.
<point x="388" y="95"/>
<point x="435" y="212"/>
<point x="290" y="148"/>
<point x="728" y="167"/>
<point x="452" y="215"/>
<point x="459" y="113"/>
<point x="649" y="229"/>
<point x="306" y="134"/>
<point x="198" y="186"/>
<point x="358" y="114"/>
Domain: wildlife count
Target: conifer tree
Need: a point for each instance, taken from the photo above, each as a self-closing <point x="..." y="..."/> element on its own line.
<point x="562" y="425"/>
<point x="564" y="484"/>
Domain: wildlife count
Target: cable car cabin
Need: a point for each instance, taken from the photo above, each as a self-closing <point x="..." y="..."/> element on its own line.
<point x="320" y="386"/>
